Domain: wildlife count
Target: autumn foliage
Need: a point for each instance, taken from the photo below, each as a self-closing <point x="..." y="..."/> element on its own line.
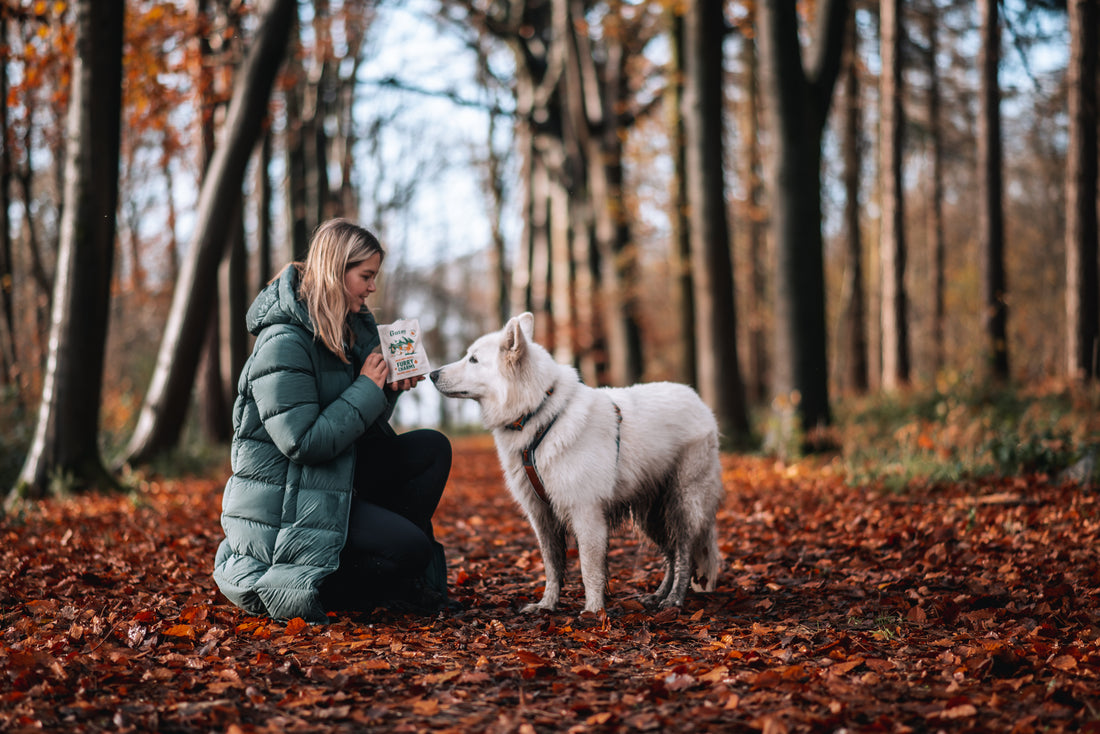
<point x="968" y="607"/>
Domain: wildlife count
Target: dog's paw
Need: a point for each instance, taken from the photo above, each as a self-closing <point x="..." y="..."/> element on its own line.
<point x="652" y="601"/>
<point x="703" y="583"/>
<point x="538" y="607"/>
<point x="670" y="603"/>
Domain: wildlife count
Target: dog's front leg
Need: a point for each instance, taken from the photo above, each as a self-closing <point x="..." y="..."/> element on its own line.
<point x="592" y="538"/>
<point x="551" y="538"/>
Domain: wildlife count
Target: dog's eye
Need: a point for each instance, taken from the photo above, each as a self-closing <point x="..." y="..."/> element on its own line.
<point x="473" y="359"/>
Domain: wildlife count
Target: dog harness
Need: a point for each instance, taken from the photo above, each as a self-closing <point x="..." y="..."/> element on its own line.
<point x="528" y="453"/>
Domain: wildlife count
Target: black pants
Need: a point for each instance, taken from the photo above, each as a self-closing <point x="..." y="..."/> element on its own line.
<point x="399" y="482"/>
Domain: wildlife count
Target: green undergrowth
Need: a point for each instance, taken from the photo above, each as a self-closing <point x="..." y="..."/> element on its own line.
<point x="959" y="429"/>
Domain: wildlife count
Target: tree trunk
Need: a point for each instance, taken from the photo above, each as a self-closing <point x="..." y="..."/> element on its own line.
<point x="799" y="97"/>
<point x="1082" y="298"/>
<point x="264" y="240"/>
<point x="562" y="313"/>
<point x="757" y="322"/>
<point x="521" y="296"/>
<point x="9" y="360"/>
<point x="991" y="205"/>
<point x="318" y="86"/>
<point x="173" y="256"/>
<point x="720" y="383"/>
<point x="936" y="216"/>
<point x="892" y="247"/>
<point x="165" y="406"/>
<point x="855" y="288"/>
<point x="680" y="252"/>
<point x="214" y="412"/>
<point x="295" y="136"/>
<point x="539" y="264"/>
<point x="235" y="343"/>
<point x="65" y="447"/>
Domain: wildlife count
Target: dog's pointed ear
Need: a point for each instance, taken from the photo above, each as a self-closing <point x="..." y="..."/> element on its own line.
<point x="527" y="324"/>
<point x="516" y="336"/>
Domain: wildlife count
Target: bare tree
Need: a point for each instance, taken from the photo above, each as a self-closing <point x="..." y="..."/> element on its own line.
<point x="65" y="450"/>
<point x="720" y="383"/>
<point x="165" y="406"/>
<point x="264" y="239"/>
<point x="936" y="226"/>
<point x="9" y="363"/>
<point x="799" y="92"/>
<point x="855" y="288"/>
<point x="680" y="254"/>
<point x="892" y="246"/>
<point x="994" y="300"/>
<point x="1082" y="298"/>
<point x="756" y="214"/>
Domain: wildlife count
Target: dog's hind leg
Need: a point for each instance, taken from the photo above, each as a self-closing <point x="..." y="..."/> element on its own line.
<point x="658" y="596"/>
<point x="706" y="560"/>
<point x="551" y="537"/>
<point x="681" y="574"/>
<point x="692" y="502"/>
<point x="663" y="522"/>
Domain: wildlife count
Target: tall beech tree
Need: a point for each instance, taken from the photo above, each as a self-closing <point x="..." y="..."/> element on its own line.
<point x="892" y="245"/>
<point x="1082" y="298"/>
<point x="9" y="361"/>
<point x="680" y="252"/>
<point x="65" y="450"/>
<point x="936" y="218"/>
<point x="799" y="84"/>
<point x="991" y="234"/>
<point x="719" y="373"/>
<point x="855" y="312"/>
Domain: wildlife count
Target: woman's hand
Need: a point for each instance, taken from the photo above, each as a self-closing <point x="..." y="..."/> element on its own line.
<point x="374" y="367"/>
<point x="407" y="384"/>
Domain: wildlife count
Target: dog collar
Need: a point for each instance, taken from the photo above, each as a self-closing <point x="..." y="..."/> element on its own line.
<point x="521" y="422"/>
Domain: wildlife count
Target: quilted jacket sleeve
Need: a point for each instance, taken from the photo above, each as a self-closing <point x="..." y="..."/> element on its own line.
<point x="285" y="376"/>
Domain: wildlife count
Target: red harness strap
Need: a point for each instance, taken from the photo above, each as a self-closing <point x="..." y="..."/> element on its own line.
<point x="533" y="474"/>
<point x="528" y="453"/>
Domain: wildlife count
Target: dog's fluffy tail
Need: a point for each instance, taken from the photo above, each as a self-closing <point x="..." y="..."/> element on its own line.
<point x="706" y="561"/>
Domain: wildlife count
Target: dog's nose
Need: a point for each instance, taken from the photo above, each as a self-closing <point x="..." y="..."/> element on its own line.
<point x="434" y="375"/>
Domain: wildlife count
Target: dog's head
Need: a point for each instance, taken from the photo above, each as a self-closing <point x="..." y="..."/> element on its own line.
<point x="492" y="364"/>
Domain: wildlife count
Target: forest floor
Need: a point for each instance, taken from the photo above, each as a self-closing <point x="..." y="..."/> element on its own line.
<point x="968" y="606"/>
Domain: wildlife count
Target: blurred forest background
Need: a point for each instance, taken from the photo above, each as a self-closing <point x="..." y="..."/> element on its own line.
<point x="861" y="226"/>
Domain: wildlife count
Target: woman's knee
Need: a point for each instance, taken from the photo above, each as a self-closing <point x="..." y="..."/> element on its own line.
<point x="433" y="449"/>
<point x="443" y="449"/>
<point x="433" y="442"/>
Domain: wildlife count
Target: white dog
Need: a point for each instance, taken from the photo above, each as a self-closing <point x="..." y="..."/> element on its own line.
<point x="584" y="459"/>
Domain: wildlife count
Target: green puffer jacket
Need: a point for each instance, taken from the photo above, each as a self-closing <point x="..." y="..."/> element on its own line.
<point x="298" y="413"/>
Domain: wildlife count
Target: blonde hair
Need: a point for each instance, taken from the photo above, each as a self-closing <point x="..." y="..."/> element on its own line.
<point x="337" y="245"/>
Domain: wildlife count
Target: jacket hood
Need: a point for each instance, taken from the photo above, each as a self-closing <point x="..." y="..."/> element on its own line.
<point x="278" y="303"/>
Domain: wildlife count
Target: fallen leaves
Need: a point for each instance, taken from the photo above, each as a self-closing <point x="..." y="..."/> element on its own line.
<point x="962" y="608"/>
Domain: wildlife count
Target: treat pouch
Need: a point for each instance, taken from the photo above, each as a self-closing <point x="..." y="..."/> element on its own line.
<point x="402" y="349"/>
